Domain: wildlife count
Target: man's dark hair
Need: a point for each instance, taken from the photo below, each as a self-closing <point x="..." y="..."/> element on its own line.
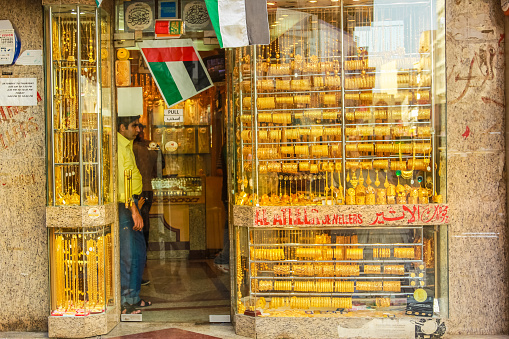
<point x="125" y="121"/>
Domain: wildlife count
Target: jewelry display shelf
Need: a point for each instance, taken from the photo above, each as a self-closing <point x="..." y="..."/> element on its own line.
<point x="301" y="281"/>
<point x="80" y="212"/>
<point x="333" y="106"/>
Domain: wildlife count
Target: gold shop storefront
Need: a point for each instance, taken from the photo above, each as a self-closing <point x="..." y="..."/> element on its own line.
<point x="335" y="136"/>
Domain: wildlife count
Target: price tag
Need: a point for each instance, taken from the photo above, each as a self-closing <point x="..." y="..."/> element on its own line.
<point x="93" y="213"/>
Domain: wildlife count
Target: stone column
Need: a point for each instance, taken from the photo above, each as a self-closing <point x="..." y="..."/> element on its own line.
<point x="23" y="234"/>
<point x="478" y="295"/>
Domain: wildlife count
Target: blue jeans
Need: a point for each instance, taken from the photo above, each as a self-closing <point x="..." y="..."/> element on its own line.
<point x="133" y="253"/>
<point x="224" y="256"/>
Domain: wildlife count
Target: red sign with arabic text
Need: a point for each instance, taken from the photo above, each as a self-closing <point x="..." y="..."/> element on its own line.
<point x="433" y="214"/>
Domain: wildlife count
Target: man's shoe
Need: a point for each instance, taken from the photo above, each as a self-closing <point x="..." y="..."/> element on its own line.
<point x="145" y="282"/>
<point x="225" y="268"/>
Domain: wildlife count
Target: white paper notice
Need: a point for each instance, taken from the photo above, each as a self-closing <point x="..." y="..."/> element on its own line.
<point x="27" y="58"/>
<point x="18" y="92"/>
<point x="7" y="46"/>
<point x="174" y="115"/>
<point x="129" y="101"/>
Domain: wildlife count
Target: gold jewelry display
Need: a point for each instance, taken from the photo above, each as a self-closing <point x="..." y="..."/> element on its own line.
<point x="372" y="269"/>
<point x="394" y="269"/>
<point x="383" y="302"/>
<point x="75" y="259"/>
<point x="392" y="286"/>
<point x="370" y="286"/>
<point x="406" y="252"/>
<point x="381" y="252"/>
<point x="300" y="124"/>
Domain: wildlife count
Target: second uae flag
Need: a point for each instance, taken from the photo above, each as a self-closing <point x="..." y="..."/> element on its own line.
<point x="239" y="23"/>
<point x="177" y="69"/>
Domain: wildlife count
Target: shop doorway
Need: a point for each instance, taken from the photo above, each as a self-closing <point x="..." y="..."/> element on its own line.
<point x="181" y="162"/>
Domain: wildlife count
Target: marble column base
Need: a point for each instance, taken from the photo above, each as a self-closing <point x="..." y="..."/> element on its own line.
<point x="81" y="327"/>
<point x="326" y="328"/>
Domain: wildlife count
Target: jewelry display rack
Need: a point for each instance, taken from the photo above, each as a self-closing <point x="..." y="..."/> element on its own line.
<point x="338" y="152"/>
<point x="80" y="212"/>
<point x="291" y="272"/>
<point x="318" y="124"/>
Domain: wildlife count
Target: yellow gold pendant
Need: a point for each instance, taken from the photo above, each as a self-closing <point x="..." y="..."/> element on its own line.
<point x="377" y="181"/>
<point x="368" y="179"/>
<point x="353" y="180"/>
<point x="361" y="178"/>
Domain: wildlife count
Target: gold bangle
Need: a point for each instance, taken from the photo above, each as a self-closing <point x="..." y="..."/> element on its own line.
<point x="365" y="147"/>
<point x="262" y="135"/>
<point x="351" y="147"/>
<point x="287" y="150"/>
<point x="316" y="132"/>
<point x="381" y="164"/>
<point x="380" y="115"/>
<point x="275" y="134"/>
<point x="398" y="165"/>
<point x="381" y="131"/>
<point x="246" y="118"/>
<point x="246" y="135"/>
<point x="301" y="150"/>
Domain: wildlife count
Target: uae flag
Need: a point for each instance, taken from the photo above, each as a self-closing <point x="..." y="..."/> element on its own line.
<point x="239" y="23"/>
<point x="177" y="68"/>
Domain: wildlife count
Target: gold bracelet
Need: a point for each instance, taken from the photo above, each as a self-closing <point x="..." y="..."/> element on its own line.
<point x="287" y="150"/>
<point x="398" y="165"/>
<point x="380" y="115"/>
<point x="301" y="150"/>
<point x="275" y="134"/>
<point x="351" y="147"/>
<point x="366" y="147"/>
<point x="381" y="131"/>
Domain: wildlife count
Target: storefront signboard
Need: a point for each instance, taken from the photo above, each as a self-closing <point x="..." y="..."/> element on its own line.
<point x="432" y="214"/>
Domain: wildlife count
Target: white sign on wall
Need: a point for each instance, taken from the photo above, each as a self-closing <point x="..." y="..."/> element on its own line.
<point x="174" y="115"/>
<point x="18" y="92"/>
<point x="7" y="46"/>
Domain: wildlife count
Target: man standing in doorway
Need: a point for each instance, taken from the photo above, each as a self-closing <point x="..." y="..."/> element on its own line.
<point x="132" y="242"/>
<point x="148" y="158"/>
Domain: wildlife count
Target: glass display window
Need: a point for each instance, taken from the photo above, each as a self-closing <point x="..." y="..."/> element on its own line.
<point x="346" y="105"/>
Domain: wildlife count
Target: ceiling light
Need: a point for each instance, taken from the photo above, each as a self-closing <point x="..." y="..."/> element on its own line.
<point x="271" y="3"/>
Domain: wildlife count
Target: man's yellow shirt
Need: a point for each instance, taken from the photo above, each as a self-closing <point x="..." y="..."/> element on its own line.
<point x="126" y="160"/>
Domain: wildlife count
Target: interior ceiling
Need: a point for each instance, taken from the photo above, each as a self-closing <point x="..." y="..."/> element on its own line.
<point x="315" y="3"/>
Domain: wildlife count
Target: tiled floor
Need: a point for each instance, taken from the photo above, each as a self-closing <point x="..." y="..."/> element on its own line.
<point x="159" y="330"/>
<point x="185" y="291"/>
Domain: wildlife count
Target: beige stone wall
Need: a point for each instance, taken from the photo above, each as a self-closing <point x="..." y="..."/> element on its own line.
<point x="478" y="298"/>
<point x="23" y="234"/>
